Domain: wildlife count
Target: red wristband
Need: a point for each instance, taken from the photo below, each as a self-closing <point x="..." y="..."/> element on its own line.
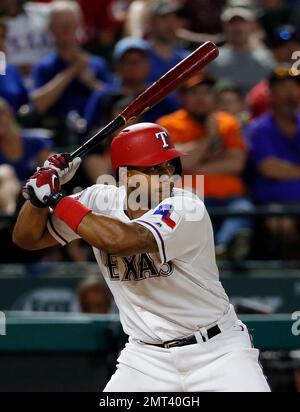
<point x="71" y="212"/>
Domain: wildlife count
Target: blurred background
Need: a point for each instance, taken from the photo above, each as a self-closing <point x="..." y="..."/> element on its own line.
<point x="71" y="66"/>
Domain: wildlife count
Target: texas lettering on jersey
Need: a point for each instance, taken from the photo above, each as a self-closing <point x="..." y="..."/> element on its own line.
<point x="138" y="267"/>
<point x="184" y="293"/>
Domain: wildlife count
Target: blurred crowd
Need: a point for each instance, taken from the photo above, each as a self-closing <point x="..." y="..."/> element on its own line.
<point x="72" y="66"/>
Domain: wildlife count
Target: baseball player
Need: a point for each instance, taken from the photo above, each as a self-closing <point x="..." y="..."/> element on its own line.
<point x="159" y="262"/>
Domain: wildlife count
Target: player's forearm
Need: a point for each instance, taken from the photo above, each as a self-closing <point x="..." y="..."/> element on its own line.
<point x="47" y="95"/>
<point x="30" y="226"/>
<point x="115" y="237"/>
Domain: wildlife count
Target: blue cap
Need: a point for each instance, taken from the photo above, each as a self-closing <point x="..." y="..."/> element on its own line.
<point x="283" y="35"/>
<point x="129" y="43"/>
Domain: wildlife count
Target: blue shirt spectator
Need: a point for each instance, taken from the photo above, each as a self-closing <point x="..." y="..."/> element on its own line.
<point x="76" y="94"/>
<point x="274" y="143"/>
<point x="12" y="88"/>
<point x="268" y="141"/>
<point x="165" y="51"/>
<point x="64" y="80"/>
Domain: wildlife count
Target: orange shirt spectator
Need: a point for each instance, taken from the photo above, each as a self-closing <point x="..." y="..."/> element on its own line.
<point x="185" y="129"/>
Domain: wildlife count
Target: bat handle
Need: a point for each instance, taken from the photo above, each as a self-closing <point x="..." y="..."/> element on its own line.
<point x="97" y="138"/>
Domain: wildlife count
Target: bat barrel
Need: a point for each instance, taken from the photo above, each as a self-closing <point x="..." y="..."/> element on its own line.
<point x="173" y="79"/>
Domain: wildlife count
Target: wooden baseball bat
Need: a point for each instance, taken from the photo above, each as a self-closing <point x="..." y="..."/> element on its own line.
<point x="167" y="84"/>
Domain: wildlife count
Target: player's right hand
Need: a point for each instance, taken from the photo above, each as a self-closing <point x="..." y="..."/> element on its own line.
<point x="40" y="186"/>
<point x="63" y="165"/>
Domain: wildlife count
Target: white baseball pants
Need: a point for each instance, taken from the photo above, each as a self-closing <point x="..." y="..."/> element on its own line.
<point x="225" y="363"/>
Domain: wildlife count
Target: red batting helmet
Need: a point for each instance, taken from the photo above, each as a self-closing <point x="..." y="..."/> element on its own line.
<point x="143" y="145"/>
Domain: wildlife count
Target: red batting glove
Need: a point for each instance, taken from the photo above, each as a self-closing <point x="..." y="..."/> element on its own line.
<point x="63" y="165"/>
<point x="40" y="186"/>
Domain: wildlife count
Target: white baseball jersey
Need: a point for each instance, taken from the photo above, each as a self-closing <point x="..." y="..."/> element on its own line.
<point x="165" y="295"/>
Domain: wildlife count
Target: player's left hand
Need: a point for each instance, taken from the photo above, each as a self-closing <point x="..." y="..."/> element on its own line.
<point x="41" y="186"/>
<point x="63" y="165"/>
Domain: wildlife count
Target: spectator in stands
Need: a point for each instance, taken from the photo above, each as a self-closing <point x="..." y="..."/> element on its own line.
<point x="22" y="150"/>
<point x="28" y="37"/>
<point x="229" y="99"/>
<point x="240" y="62"/>
<point x="204" y="16"/>
<point x="12" y="88"/>
<point x="216" y="150"/>
<point x="165" y="51"/>
<point x="275" y="13"/>
<point x="103" y="21"/>
<point x="274" y="140"/>
<point x="202" y="21"/>
<point x="131" y="56"/>
<point x="65" y="80"/>
<point x="284" y="42"/>
<point x="94" y="296"/>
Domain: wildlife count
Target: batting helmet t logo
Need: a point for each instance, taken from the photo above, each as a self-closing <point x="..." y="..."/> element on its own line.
<point x="163" y="136"/>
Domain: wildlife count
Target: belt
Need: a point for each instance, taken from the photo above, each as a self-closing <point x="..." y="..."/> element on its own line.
<point x="189" y="340"/>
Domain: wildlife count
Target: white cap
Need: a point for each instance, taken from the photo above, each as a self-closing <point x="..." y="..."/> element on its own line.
<point x="242" y="12"/>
